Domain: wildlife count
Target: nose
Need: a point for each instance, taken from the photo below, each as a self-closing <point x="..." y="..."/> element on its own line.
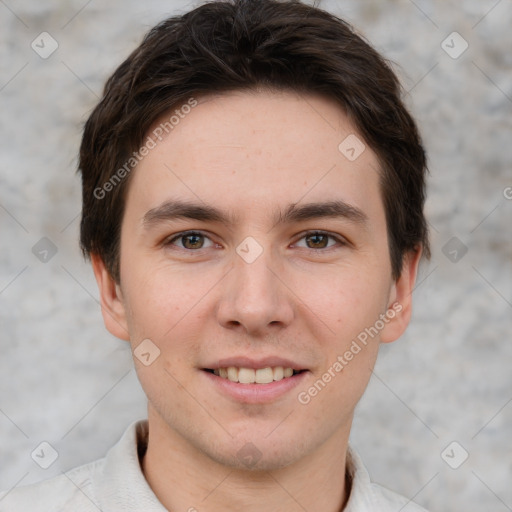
<point x="255" y="298"/>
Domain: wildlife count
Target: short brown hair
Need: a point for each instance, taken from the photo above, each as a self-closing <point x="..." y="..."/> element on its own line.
<point x="249" y="44"/>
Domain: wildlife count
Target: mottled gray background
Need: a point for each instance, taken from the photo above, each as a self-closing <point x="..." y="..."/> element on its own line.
<point x="65" y="380"/>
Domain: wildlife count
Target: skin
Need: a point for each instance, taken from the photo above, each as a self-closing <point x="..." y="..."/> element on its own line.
<point x="251" y="154"/>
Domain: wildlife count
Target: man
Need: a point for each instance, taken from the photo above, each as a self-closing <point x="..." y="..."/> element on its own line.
<point x="253" y="193"/>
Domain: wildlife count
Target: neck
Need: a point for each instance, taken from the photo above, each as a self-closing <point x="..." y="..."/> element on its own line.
<point x="185" y="479"/>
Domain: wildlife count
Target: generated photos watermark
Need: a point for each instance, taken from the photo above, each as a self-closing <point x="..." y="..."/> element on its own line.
<point x="164" y="128"/>
<point x="361" y="340"/>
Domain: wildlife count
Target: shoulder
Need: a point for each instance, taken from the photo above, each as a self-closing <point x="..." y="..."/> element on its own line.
<point x="72" y="490"/>
<point x="366" y="496"/>
<point x="389" y="501"/>
<point x="115" y="482"/>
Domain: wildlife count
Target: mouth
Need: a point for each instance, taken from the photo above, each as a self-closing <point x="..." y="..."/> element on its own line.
<point x="263" y="380"/>
<point x="242" y="375"/>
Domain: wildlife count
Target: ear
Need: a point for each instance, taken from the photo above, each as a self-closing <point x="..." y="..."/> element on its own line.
<point x="111" y="299"/>
<point x="400" y="298"/>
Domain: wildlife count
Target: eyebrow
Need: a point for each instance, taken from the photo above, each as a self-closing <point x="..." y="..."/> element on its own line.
<point x="294" y="213"/>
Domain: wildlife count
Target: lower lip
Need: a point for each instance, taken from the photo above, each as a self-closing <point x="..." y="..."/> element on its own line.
<point x="255" y="393"/>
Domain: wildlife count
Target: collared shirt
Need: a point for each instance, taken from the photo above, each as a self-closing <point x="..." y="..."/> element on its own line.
<point x="116" y="483"/>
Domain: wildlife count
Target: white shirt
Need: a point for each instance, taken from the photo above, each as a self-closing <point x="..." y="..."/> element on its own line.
<point x="116" y="483"/>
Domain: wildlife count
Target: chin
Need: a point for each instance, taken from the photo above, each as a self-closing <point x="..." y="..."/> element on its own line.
<point x="253" y="459"/>
<point x="255" y="452"/>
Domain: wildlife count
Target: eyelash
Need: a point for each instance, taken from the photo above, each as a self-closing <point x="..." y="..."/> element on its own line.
<point x="340" y="241"/>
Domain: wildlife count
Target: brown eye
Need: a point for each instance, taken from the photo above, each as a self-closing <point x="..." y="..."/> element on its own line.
<point x="191" y="241"/>
<point x="319" y="240"/>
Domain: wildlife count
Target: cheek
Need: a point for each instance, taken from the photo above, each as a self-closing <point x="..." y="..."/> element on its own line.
<point x="348" y="300"/>
<point x="158" y="295"/>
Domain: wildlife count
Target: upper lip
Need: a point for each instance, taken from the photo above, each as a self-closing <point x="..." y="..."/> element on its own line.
<point x="256" y="364"/>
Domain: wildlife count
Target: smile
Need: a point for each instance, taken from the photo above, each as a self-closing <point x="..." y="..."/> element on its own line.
<point x="254" y="376"/>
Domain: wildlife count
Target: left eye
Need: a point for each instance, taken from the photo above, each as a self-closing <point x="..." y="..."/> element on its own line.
<point x="319" y="240"/>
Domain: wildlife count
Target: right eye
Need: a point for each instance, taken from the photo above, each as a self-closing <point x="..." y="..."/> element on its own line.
<point x="189" y="240"/>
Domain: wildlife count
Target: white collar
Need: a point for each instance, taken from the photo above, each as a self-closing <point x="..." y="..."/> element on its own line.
<point x="122" y="480"/>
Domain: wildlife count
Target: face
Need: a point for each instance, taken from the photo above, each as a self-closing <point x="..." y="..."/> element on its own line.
<point x="253" y="248"/>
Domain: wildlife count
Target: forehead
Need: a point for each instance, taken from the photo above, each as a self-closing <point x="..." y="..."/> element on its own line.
<point x="251" y="151"/>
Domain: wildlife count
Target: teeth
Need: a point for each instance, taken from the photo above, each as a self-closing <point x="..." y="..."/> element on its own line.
<point x="278" y="373"/>
<point x="246" y="376"/>
<point x="264" y="376"/>
<point x="251" y="376"/>
<point x="233" y="374"/>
